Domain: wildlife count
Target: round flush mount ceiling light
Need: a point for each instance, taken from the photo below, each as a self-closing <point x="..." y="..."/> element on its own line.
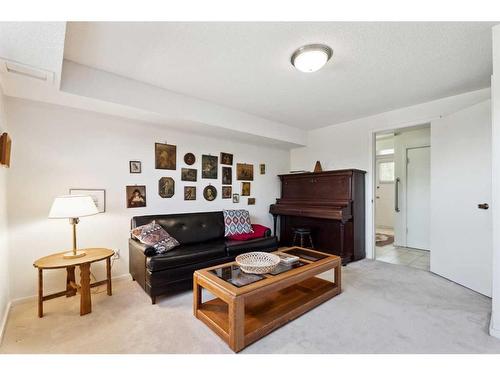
<point x="311" y="58"/>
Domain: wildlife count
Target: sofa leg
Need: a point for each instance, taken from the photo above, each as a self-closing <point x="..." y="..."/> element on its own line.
<point x="153" y="300"/>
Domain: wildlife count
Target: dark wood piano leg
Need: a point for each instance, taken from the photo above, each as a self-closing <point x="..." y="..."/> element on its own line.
<point x="275" y="219"/>
<point x="342" y="255"/>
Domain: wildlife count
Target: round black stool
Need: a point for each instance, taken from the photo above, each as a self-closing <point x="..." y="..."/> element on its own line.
<point x="301" y="233"/>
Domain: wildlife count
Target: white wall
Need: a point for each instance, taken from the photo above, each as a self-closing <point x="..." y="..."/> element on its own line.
<point x="350" y="144"/>
<point x="403" y="140"/>
<point x="57" y="148"/>
<point x="4" y="256"/>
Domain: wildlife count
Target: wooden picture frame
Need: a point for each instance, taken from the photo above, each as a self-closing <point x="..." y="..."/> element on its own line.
<point x="251" y="201"/>
<point x="189" y="174"/>
<point x="210" y="193"/>
<point x="135" y="166"/>
<point x="227" y="192"/>
<point x="209" y="166"/>
<point x="189" y="193"/>
<point x="166" y="187"/>
<point x="236" y="198"/>
<point x="244" y="172"/>
<point x="189" y="158"/>
<point x="262" y="169"/>
<point x="136" y="196"/>
<point x="226" y="159"/>
<point x="165" y="156"/>
<point x="227" y="175"/>
<point x="98" y="196"/>
<point x="245" y="189"/>
<point x="5" y="147"/>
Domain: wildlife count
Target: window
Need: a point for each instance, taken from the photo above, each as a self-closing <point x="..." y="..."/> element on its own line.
<point x="386" y="172"/>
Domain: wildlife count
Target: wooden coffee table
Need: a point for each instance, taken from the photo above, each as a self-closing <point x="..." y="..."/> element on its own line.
<point x="241" y="314"/>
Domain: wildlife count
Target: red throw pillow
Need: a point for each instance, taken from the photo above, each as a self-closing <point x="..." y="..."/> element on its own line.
<point x="259" y="231"/>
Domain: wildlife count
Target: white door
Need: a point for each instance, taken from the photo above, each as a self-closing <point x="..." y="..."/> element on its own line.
<point x="384" y="203"/>
<point x="461" y="232"/>
<point x="418" y="197"/>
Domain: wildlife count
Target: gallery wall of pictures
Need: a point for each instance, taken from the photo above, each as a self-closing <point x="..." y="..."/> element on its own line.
<point x="221" y="175"/>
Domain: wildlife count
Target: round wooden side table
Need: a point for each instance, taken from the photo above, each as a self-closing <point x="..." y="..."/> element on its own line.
<point x="56" y="260"/>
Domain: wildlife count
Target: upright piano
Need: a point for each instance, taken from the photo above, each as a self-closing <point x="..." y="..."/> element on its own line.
<point x="331" y="204"/>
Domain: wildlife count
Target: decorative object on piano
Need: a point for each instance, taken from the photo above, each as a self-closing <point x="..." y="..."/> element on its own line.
<point x="317" y="167"/>
<point x="227" y="192"/>
<point x="298" y="171"/>
<point x="251" y="201"/>
<point x="134" y="166"/>
<point x="245" y="189"/>
<point x="165" y="156"/>
<point x="227" y="175"/>
<point x="5" y="146"/>
<point x="257" y="262"/>
<point x="262" y="169"/>
<point x="210" y="193"/>
<point x="189" y="158"/>
<point x="189" y="193"/>
<point x="189" y="174"/>
<point x="166" y="187"/>
<point x="209" y="165"/>
<point x="236" y="198"/>
<point x="332" y="204"/>
<point x="244" y="172"/>
<point x="97" y="195"/>
<point x="226" y="159"/>
<point x="136" y="196"/>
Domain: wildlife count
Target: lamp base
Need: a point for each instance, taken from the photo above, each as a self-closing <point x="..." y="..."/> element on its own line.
<point x="72" y="255"/>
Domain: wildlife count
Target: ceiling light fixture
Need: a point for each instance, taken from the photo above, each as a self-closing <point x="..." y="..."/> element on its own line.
<point x="311" y="58"/>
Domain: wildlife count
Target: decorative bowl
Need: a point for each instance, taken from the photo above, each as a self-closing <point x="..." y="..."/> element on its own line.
<point x="257" y="262"/>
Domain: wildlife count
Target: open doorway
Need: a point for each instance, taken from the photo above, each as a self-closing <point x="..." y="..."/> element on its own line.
<point x="402" y="196"/>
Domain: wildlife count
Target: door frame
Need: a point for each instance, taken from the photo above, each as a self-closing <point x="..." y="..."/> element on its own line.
<point x="370" y="201"/>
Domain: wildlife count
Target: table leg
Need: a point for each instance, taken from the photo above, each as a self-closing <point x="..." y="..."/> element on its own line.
<point x="40" y="292"/>
<point x="236" y="324"/>
<point x="337" y="270"/>
<point x="108" y="275"/>
<point x="70" y="281"/>
<point x="85" y="301"/>
<point x="197" y="293"/>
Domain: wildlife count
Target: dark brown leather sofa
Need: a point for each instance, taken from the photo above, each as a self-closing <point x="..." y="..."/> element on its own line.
<point x="202" y="244"/>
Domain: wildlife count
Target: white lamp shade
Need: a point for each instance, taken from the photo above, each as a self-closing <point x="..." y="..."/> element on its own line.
<point x="72" y="206"/>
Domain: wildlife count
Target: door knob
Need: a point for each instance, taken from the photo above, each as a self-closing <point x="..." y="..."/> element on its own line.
<point x="483" y="206"/>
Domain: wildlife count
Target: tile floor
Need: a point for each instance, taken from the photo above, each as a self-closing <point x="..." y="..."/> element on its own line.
<point x="402" y="255"/>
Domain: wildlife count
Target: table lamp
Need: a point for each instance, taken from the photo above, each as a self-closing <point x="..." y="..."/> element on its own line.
<point x="73" y="207"/>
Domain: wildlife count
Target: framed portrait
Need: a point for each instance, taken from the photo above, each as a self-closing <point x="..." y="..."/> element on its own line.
<point x="209" y="166"/>
<point x="135" y="166"/>
<point x="262" y="169"/>
<point x="245" y="189"/>
<point x="227" y="175"/>
<point x="189" y="158"/>
<point x="166" y="187"/>
<point x="227" y="192"/>
<point x="98" y="196"/>
<point x="251" y="201"/>
<point x="189" y="193"/>
<point x="136" y="196"/>
<point x="244" y="172"/>
<point x="189" y="174"/>
<point x="165" y="156"/>
<point x="236" y="198"/>
<point x="226" y="158"/>
<point x="210" y="193"/>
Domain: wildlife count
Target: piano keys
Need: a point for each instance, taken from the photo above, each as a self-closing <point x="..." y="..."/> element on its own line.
<point x="331" y="204"/>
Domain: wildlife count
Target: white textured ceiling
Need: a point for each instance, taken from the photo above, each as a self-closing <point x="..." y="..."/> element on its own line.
<point x="376" y="67"/>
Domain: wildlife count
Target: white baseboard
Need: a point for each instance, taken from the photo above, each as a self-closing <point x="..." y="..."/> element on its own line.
<point x="494" y="331"/>
<point x="4" y="320"/>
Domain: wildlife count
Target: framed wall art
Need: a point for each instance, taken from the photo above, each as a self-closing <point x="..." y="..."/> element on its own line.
<point x="135" y="166"/>
<point x="226" y="159"/>
<point x="236" y="198"/>
<point x="209" y="166"/>
<point x="98" y="196"/>
<point x="251" y="201"/>
<point x="136" y="196"/>
<point x="189" y="158"/>
<point x="245" y="189"/>
<point x="244" y="172"/>
<point x="189" y="193"/>
<point x="166" y="187"/>
<point x="165" y="156"/>
<point x="262" y="169"/>
<point x="227" y="192"/>
<point x="210" y="193"/>
<point x="227" y="175"/>
<point x="189" y="174"/>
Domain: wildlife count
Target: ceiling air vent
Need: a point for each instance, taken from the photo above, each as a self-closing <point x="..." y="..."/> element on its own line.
<point x="11" y="67"/>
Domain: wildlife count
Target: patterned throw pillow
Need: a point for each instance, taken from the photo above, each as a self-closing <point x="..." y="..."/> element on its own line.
<point x="237" y="222"/>
<point x="153" y="235"/>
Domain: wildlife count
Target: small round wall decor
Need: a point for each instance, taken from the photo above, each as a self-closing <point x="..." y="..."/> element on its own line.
<point x="189" y="158"/>
<point x="210" y="193"/>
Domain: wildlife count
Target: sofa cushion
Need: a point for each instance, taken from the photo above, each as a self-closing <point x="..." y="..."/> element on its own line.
<point x="237" y="222"/>
<point x="187" y="254"/>
<point x="266" y="244"/>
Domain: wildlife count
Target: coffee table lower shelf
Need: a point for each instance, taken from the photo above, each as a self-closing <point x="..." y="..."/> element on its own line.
<point x="264" y="313"/>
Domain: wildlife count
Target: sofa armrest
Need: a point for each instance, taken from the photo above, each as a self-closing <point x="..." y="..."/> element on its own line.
<point x="261" y="228"/>
<point x="137" y="261"/>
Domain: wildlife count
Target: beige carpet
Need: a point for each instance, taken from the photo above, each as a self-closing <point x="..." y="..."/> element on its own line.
<point x="384" y="308"/>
